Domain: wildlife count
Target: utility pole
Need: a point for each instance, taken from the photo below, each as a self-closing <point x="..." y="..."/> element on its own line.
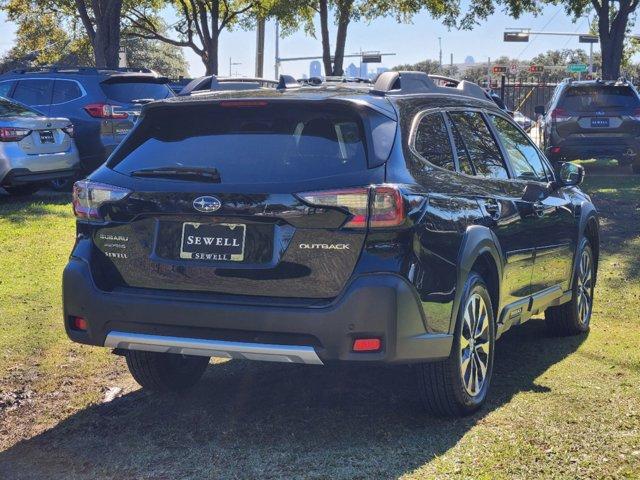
<point x="277" y="64"/>
<point x="440" y="45"/>
<point x="260" y="48"/>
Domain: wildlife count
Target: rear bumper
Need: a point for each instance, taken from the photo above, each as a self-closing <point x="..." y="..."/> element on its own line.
<point x="23" y="176"/>
<point x="623" y="148"/>
<point x="384" y="306"/>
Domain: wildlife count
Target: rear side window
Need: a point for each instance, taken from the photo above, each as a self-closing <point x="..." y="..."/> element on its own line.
<point x="12" y="109"/>
<point x="464" y="161"/>
<point x="432" y="141"/>
<point x="33" y="92"/>
<point x="480" y="144"/>
<point x="599" y="97"/>
<point x="256" y="144"/>
<point x="65" y="91"/>
<point x="524" y="158"/>
<point x="127" y="92"/>
<point x="5" y="88"/>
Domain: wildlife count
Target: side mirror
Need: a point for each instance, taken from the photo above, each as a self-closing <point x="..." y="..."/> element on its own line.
<point x="536" y="192"/>
<point x="540" y="109"/>
<point x="569" y="174"/>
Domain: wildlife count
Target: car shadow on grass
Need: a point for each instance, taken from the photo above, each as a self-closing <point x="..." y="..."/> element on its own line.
<point x="22" y="209"/>
<point x="259" y="420"/>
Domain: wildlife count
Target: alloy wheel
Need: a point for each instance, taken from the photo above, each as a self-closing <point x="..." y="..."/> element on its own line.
<point x="475" y="345"/>
<point x="585" y="287"/>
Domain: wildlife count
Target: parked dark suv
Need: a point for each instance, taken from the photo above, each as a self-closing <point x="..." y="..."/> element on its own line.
<point x="402" y="224"/>
<point x="593" y="119"/>
<point x="103" y="105"/>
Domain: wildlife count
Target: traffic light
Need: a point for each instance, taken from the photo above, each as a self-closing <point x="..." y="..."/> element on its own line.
<point x="536" y="68"/>
<point x="499" y="69"/>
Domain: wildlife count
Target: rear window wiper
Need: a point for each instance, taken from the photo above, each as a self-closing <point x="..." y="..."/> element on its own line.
<point x="182" y="173"/>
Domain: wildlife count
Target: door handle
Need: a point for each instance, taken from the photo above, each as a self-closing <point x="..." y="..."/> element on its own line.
<point x="539" y="208"/>
<point x="492" y="208"/>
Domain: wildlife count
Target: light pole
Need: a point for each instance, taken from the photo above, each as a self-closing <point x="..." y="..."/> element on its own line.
<point x="231" y="65"/>
<point x="440" y="47"/>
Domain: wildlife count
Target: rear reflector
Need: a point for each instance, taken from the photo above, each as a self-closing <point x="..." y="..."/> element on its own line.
<point x="555" y="149"/>
<point x="79" y="323"/>
<point x="366" y="344"/>
<point x="379" y="205"/>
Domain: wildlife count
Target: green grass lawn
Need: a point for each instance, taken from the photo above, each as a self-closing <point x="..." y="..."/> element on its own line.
<point x="559" y="408"/>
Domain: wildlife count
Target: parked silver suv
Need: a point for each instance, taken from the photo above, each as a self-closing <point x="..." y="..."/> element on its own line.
<point x="33" y="148"/>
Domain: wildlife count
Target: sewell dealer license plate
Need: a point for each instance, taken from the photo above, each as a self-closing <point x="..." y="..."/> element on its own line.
<point x="600" y="122"/>
<point x="213" y="241"/>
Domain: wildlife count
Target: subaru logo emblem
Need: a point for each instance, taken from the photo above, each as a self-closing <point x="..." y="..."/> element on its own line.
<point x="207" y="204"/>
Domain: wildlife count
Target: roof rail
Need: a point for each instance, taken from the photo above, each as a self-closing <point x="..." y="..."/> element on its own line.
<point x="402" y="83"/>
<point x="80" y="70"/>
<point x="287" y="82"/>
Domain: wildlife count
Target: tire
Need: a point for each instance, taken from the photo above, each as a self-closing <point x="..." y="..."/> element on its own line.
<point x="444" y="389"/>
<point x="165" y="372"/>
<point x="573" y="318"/>
<point x="23" y="190"/>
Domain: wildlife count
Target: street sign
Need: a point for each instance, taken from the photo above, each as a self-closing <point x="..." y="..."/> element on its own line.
<point x="371" y="57"/>
<point x="536" y="68"/>
<point x="577" y="68"/>
<point x="588" y="39"/>
<point x="514" y="68"/>
<point x="516" y="37"/>
<point x="499" y="69"/>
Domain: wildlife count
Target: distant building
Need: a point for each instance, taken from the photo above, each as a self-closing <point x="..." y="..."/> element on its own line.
<point x="364" y="70"/>
<point x="315" y="69"/>
<point x="352" y="71"/>
<point x="380" y="70"/>
<point x="469" y="60"/>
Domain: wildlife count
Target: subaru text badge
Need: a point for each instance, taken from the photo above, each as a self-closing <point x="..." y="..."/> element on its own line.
<point x="207" y="204"/>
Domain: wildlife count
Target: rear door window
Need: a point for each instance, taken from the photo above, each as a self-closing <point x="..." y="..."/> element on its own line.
<point x="256" y="144"/>
<point x="523" y="156"/>
<point x="34" y="92"/>
<point x="432" y="143"/>
<point x="599" y="97"/>
<point x="5" y="88"/>
<point x="482" y="148"/>
<point x="127" y="92"/>
<point x="65" y="91"/>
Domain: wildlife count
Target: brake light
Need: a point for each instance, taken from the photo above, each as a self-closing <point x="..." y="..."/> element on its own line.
<point x="89" y="196"/>
<point x="12" y="134"/>
<point x="243" y="103"/>
<point x="104" y="110"/>
<point x="559" y="114"/>
<point x="379" y="205"/>
<point x="68" y="130"/>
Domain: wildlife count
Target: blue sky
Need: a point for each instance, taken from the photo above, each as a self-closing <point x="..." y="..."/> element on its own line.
<point x="411" y="42"/>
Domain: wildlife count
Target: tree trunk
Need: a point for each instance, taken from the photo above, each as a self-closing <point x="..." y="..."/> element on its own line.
<point x="612" y="34"/>
<point x="106" y="40"/>
<point x="324" y="31"/>
<point x="211" y="43"/>
<point x="344" y="17"/>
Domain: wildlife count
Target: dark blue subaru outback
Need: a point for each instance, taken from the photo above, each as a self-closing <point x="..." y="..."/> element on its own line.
<point x="404" y="223"/>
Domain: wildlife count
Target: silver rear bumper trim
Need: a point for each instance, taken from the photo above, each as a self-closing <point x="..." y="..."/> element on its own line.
<point x="213" y="348"/>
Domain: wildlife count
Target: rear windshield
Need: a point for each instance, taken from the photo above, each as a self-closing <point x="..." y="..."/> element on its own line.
<point x="11" y="109"/>
<point x="259" y="144"/>
<point x="599" y="97"/>
<point x="127" y="92"/>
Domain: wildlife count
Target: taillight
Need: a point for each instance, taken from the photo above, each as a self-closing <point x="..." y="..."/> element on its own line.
<point x="103" y="110"/>
<point x="379" y="206"/>
<point x="68" y="130"/>
<point x="560" y="115"/>
<point x="89" y="196"/>
<point x="12" y="134"/>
